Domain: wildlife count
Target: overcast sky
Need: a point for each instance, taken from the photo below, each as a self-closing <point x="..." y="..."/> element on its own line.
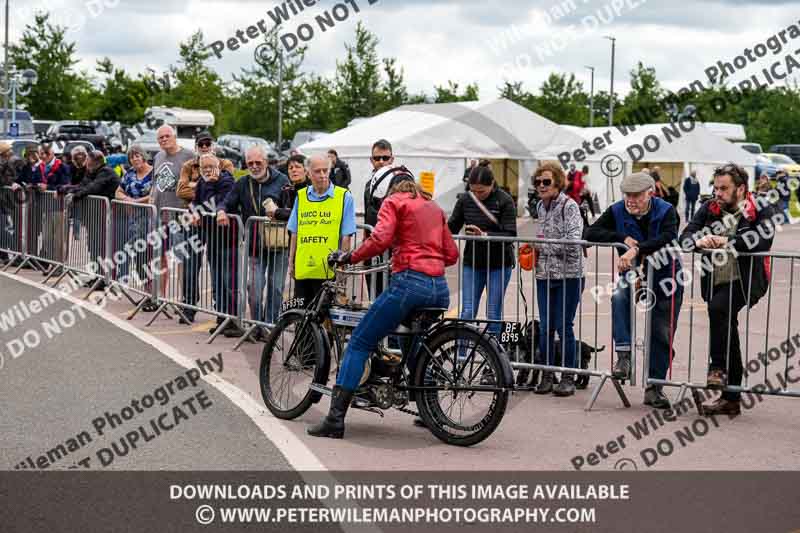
<point x="436" y="41"/>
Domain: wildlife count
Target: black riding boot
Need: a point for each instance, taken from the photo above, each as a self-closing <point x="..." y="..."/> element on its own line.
<point x="332" y="426"/>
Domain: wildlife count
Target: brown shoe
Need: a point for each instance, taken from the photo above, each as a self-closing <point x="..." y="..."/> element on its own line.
<point x="721" y="406"/>
<point x="716" y="379"/>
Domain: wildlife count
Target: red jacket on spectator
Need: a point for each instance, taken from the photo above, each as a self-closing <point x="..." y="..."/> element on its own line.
<point x="576" y="188"/>
<point x="417" y="231"/>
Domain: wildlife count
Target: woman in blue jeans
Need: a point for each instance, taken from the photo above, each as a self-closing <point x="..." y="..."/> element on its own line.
<point x="485" y="210"/>
<point x="559" y="275"/>
<point x="422" y="247"/>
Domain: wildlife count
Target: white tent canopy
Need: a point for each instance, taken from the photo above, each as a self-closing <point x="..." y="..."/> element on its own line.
<point x="697" y="148"/>
<point x="442" y="137"/>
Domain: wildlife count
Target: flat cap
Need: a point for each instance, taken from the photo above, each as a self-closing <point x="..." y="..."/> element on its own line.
<point x="637" y="182"/>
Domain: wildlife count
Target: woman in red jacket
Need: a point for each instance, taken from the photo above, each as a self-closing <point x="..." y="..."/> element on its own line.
<point x="422" y="247"/>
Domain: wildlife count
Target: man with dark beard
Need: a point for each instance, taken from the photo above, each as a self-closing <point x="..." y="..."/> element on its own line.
<point x="731" y="222"/>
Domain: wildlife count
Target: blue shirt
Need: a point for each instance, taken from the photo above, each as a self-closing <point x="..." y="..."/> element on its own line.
<point x="135" y="187"/>
<point x="348" y="216"/>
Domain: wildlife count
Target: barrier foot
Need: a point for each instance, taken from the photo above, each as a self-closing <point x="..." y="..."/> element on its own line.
<point x="128" y="296"/>
<point x="245" y="337"/>
<point x="219" y="329"/>
<point x="93" y="288"/>
<point x="52" y="272"/>
<point x="61" y="277"/>
<point x="698" y="402"/>
<point x="681" y="394"/>
<point x="161" y="309"/>
<point x="138" y="308"/>
<point x="599" y="386"/>
<point x="621" y="393"/>
<point x="11" y="261"/>
<point x="22" y="265"/>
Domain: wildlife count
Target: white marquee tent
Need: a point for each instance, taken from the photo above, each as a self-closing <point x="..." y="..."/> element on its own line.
<point x="442" y="138"/>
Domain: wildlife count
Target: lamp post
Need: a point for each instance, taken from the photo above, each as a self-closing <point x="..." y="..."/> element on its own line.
<point x="611" y="95"/>
<point x="19" y="82"/>
<point x="591" y="99"/>
<point x="5" y="81"/>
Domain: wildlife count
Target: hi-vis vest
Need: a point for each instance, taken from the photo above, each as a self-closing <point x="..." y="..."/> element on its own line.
<point x="318" y="227"/>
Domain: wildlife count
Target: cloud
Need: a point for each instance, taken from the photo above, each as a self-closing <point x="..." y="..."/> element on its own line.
<point x="435" y="41"/>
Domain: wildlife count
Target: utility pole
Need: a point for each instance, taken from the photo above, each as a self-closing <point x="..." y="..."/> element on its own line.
<point x="5" y="80"/>
<point x="591" y="99"/>
<point x="280" y="100"/>
<point x="611" y="95"/>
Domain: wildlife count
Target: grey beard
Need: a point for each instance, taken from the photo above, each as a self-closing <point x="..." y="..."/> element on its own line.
<point x="263" y="178"/>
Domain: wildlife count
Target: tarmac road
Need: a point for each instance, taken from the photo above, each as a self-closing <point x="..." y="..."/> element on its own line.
<point x="54" y="391"/>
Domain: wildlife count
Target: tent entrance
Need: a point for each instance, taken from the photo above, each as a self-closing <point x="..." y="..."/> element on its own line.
<point x="506" y="174"/>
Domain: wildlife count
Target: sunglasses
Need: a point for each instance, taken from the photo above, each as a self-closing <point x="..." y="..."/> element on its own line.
<point x="543" y="182"/>
<point x="381" y="157"/>
<point x="255" y="163"/>
<point x="204" y="144"/>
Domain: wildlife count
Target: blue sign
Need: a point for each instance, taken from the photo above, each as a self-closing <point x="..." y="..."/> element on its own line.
<point x="13" y="129"/>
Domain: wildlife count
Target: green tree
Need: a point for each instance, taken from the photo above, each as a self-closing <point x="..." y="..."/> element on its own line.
<point x="562" y="100"/>
<point x="357" y="81"/>
<point x="254" y="108"/>
<point x="450" y="93"/>
<point x="644" y="104"/>
<point x="197" y="85"/>
<point x="44" y="48"/>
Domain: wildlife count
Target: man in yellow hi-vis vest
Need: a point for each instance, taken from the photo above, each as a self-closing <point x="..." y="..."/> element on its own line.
<point x="323" y="220"/>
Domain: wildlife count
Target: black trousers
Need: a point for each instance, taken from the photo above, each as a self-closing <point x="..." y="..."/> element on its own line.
<point x="307" y="289"/>
<point x="726" y="301"/>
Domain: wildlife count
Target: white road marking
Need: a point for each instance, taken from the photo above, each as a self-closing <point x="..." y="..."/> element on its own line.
<point x="292" y="448"/>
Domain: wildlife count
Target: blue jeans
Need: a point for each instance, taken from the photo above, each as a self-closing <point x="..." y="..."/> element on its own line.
<point x="475" y="280"/>
<point x="660" y="328"/>
<point x="407" y="291"/>
<point x="557" y="306"/>
<point x="268" y="268"/>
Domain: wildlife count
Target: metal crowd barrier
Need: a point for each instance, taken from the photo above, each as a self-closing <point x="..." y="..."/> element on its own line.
<point x="767" y="343"/>
<point x="12" y="224"/>
<point x="200" y="267"/>
<point x="44" y="231"/>
<point x="516" y="325"/>
<point x="135" y="243"/>
<point x="84" y="224"/>
<point x="265" y="257"/>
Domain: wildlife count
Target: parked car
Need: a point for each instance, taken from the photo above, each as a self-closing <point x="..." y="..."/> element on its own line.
<point x="791" y="150"/>
<point x="786" y="163"/>
<point x="41" y="127"/>
<point x="234" y="147"/>
<point x="20" y="145"/>
<point x="61" y="148"/>
<point x="25" y="121"/>
<point x="753" y="148"/>
<point x="149" y="144"/>
<point x="302" y="137"/>
<point x="765" y="164"/>
<point x="74" y="130"/>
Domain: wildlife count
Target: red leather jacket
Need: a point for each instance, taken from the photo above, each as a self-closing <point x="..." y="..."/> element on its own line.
<point x="417" y="231"/>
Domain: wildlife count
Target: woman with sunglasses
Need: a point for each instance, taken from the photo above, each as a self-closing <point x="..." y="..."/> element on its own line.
<point x="559" y="274"/>
<point x="485" y="210"/>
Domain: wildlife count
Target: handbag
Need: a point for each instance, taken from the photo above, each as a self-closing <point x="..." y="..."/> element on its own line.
<point x="273" y="236"/>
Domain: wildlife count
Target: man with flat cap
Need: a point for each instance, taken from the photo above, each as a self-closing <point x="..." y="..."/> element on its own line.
<point x="645" y="224"/>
